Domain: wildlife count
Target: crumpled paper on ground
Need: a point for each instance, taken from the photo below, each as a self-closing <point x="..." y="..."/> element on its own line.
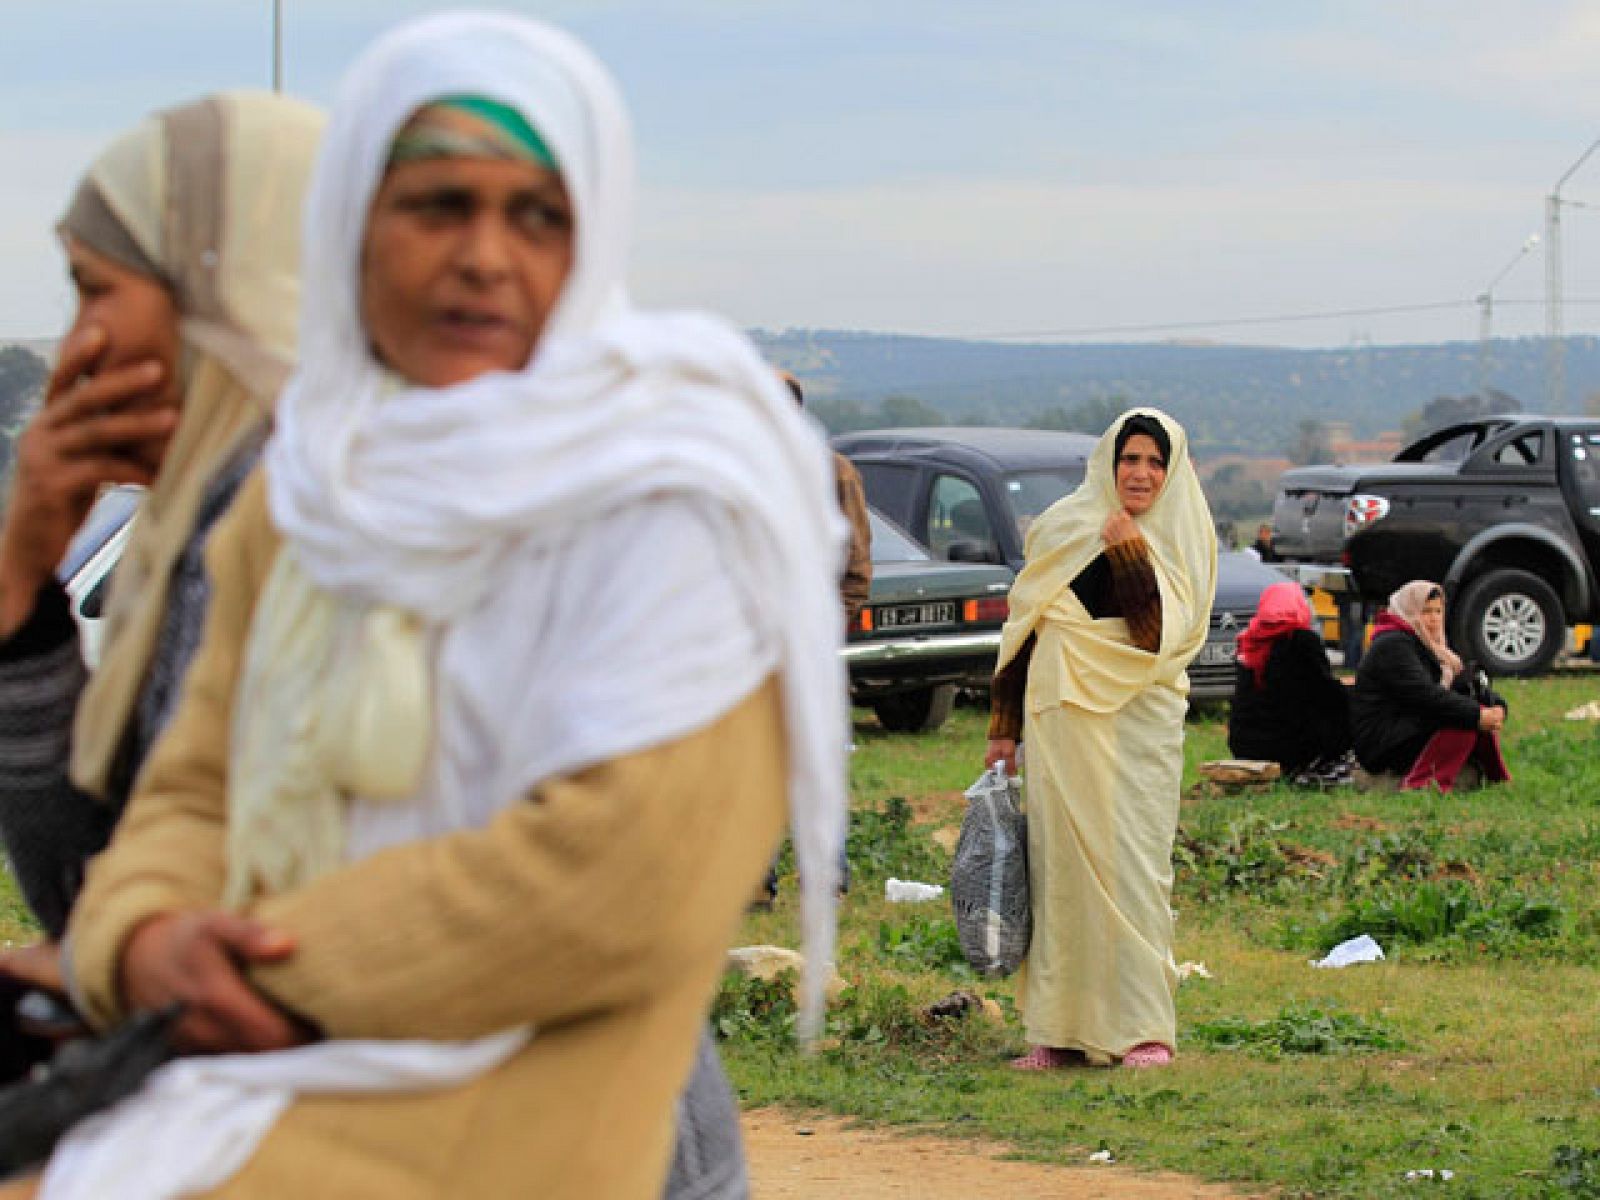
<point x="909" y="891"/>
<point x="1357" y="950"/>
<point x="1585" y="712"/>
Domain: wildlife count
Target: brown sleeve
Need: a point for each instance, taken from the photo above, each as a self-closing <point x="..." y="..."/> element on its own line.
<point x="169" y="851"/>
<point x="1138" y="596"/>
<point x="582" y="898"/>
<point x="856" y="583"/>
<point x="1007" y="692"/>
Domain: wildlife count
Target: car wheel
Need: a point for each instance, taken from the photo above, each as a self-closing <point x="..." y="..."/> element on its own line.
<point x="919" y="711"/>
<point x="1510" y="623"/>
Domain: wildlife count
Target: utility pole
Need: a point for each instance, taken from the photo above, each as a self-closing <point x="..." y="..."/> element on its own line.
<point x="1486" y="311"/>
<point x="1555" y="343"/>
<point x="277" y="45"/>
<point x="1556" y="349"/>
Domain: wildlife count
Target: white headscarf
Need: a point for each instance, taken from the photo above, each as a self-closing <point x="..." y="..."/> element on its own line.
<point x="406" y="516"/>
<point x="415" y="499"/>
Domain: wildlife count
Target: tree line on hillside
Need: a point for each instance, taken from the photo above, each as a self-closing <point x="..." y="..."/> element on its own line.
<point x="1233" y="399"/>
<point x="22" y="378"/>
<point x="1231" y="492"/>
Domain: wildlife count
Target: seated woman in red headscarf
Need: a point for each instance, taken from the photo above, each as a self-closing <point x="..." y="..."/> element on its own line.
<point x="1416" y="711"/>
<point x="1287" y="706"/>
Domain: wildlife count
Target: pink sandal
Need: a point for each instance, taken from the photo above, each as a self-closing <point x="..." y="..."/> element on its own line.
<point x="1043" y="1058"/>
<point x="1148" y="1054"/>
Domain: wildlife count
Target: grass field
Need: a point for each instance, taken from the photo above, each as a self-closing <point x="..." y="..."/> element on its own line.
<point x="1472" y="1049"/>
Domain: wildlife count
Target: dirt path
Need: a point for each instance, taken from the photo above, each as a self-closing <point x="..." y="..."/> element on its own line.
<point x="821" y="1158"/>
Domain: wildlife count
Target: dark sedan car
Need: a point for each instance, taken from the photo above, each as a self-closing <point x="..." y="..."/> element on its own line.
<point x="927" y="628"/>
<point x="969" y="495"/>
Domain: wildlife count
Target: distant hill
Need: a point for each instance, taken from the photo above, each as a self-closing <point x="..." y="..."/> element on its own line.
<point x="1233" y="399"/>
<point x="1246" y="400"/>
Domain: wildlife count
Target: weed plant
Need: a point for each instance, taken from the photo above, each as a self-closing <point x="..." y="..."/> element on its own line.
<point x="1299" y="1029"/>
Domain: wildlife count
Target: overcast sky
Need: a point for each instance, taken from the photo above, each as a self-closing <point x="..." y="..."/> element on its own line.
<point x="984" y="167"/>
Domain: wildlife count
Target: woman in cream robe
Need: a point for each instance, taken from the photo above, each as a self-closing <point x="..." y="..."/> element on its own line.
<point x="1110" y="607"/>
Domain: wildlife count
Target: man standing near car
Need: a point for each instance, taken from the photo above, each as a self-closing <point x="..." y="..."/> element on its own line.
<point x="856" y="581"/>
<point x="854" y="585"/>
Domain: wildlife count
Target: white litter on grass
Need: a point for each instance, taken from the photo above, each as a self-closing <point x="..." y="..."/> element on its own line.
<point x="1444" y="1174"/>
<point x="1102" y="1156"/>
<point x="1357" y="950"/>
<point x="908" y="891"/>
<point x="1192" y="970"/>
<point x="1586" y="712"/>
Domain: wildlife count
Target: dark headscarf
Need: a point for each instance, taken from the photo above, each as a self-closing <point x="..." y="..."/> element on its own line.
<point x="1151" y="428"/>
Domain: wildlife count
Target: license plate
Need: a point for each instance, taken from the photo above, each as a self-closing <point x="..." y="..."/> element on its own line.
<point x="909" y="616"/>
<point x="1217" y="654"/>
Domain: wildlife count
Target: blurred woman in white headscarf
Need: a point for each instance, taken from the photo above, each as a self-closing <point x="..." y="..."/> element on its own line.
<point x="445" y="844"/>
<point x="1110" y="607"/>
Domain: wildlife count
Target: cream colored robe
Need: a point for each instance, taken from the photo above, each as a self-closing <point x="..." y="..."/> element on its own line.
<point x="1103" y="762"/>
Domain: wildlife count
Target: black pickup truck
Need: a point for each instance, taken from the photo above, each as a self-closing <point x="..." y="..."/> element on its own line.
<point x="1503" y="511"/>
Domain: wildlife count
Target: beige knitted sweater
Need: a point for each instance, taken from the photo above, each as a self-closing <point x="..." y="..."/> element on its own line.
<point x="598" y="910"/>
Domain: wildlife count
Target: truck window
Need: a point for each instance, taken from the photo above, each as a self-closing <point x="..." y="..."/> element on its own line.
<point x="956" y="514"/>
<point x="889" y="488"/>
<point x="1455" y="449"/>
<point x="1031" y="492"/>
<point x="1524" y="451"/>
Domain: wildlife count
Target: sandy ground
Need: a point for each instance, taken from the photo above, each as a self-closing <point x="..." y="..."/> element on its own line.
<point x="822" y="1158"/>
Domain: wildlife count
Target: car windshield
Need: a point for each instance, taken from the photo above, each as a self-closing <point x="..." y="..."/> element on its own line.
<point x="890" y="545"/>
<point x="1029" y="493"/>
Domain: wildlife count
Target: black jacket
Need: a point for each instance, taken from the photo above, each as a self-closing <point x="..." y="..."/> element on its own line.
<point x="1298" y="714"/>
<point x="1398" y="703"/>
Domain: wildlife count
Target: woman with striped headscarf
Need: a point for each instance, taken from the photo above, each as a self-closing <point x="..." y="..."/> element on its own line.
<point x="182" y="240"/>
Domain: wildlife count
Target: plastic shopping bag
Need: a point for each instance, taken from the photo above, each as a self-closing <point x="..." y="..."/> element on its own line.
<point x="989" y="877"/>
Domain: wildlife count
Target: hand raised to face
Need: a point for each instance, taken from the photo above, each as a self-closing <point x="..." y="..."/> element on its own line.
<point x="1119" y="528"/>
<point x="102" y="422"/>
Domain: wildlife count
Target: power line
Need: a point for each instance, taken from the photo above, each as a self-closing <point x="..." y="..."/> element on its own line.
<point x="1226" y="322"/>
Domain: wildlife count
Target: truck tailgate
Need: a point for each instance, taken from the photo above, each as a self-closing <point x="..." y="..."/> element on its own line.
<point x="1308" y="518"/>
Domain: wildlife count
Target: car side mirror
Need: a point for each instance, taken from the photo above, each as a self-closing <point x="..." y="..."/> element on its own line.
<point x="970" y="552"/>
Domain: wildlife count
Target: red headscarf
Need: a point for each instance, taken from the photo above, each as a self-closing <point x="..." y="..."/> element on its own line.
<point x="1282" y="610"/>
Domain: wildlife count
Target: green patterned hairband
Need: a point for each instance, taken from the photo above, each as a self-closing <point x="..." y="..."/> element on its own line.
<point x="469" y="127"/>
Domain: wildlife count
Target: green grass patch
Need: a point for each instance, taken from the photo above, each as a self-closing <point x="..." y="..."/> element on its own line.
<point x="1452" y="914"/>
<point x="1471" y="1048"/>
<point x="1298" y="1029"/>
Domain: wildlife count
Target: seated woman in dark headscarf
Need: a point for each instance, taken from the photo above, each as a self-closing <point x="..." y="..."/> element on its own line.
<point x="1287" y="706"/>
<point x="1412" y="707"/>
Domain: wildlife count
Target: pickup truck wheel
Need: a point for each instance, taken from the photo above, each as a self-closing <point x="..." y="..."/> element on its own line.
<point x="1510" y="623"/>
<point x="919" y="711"/>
